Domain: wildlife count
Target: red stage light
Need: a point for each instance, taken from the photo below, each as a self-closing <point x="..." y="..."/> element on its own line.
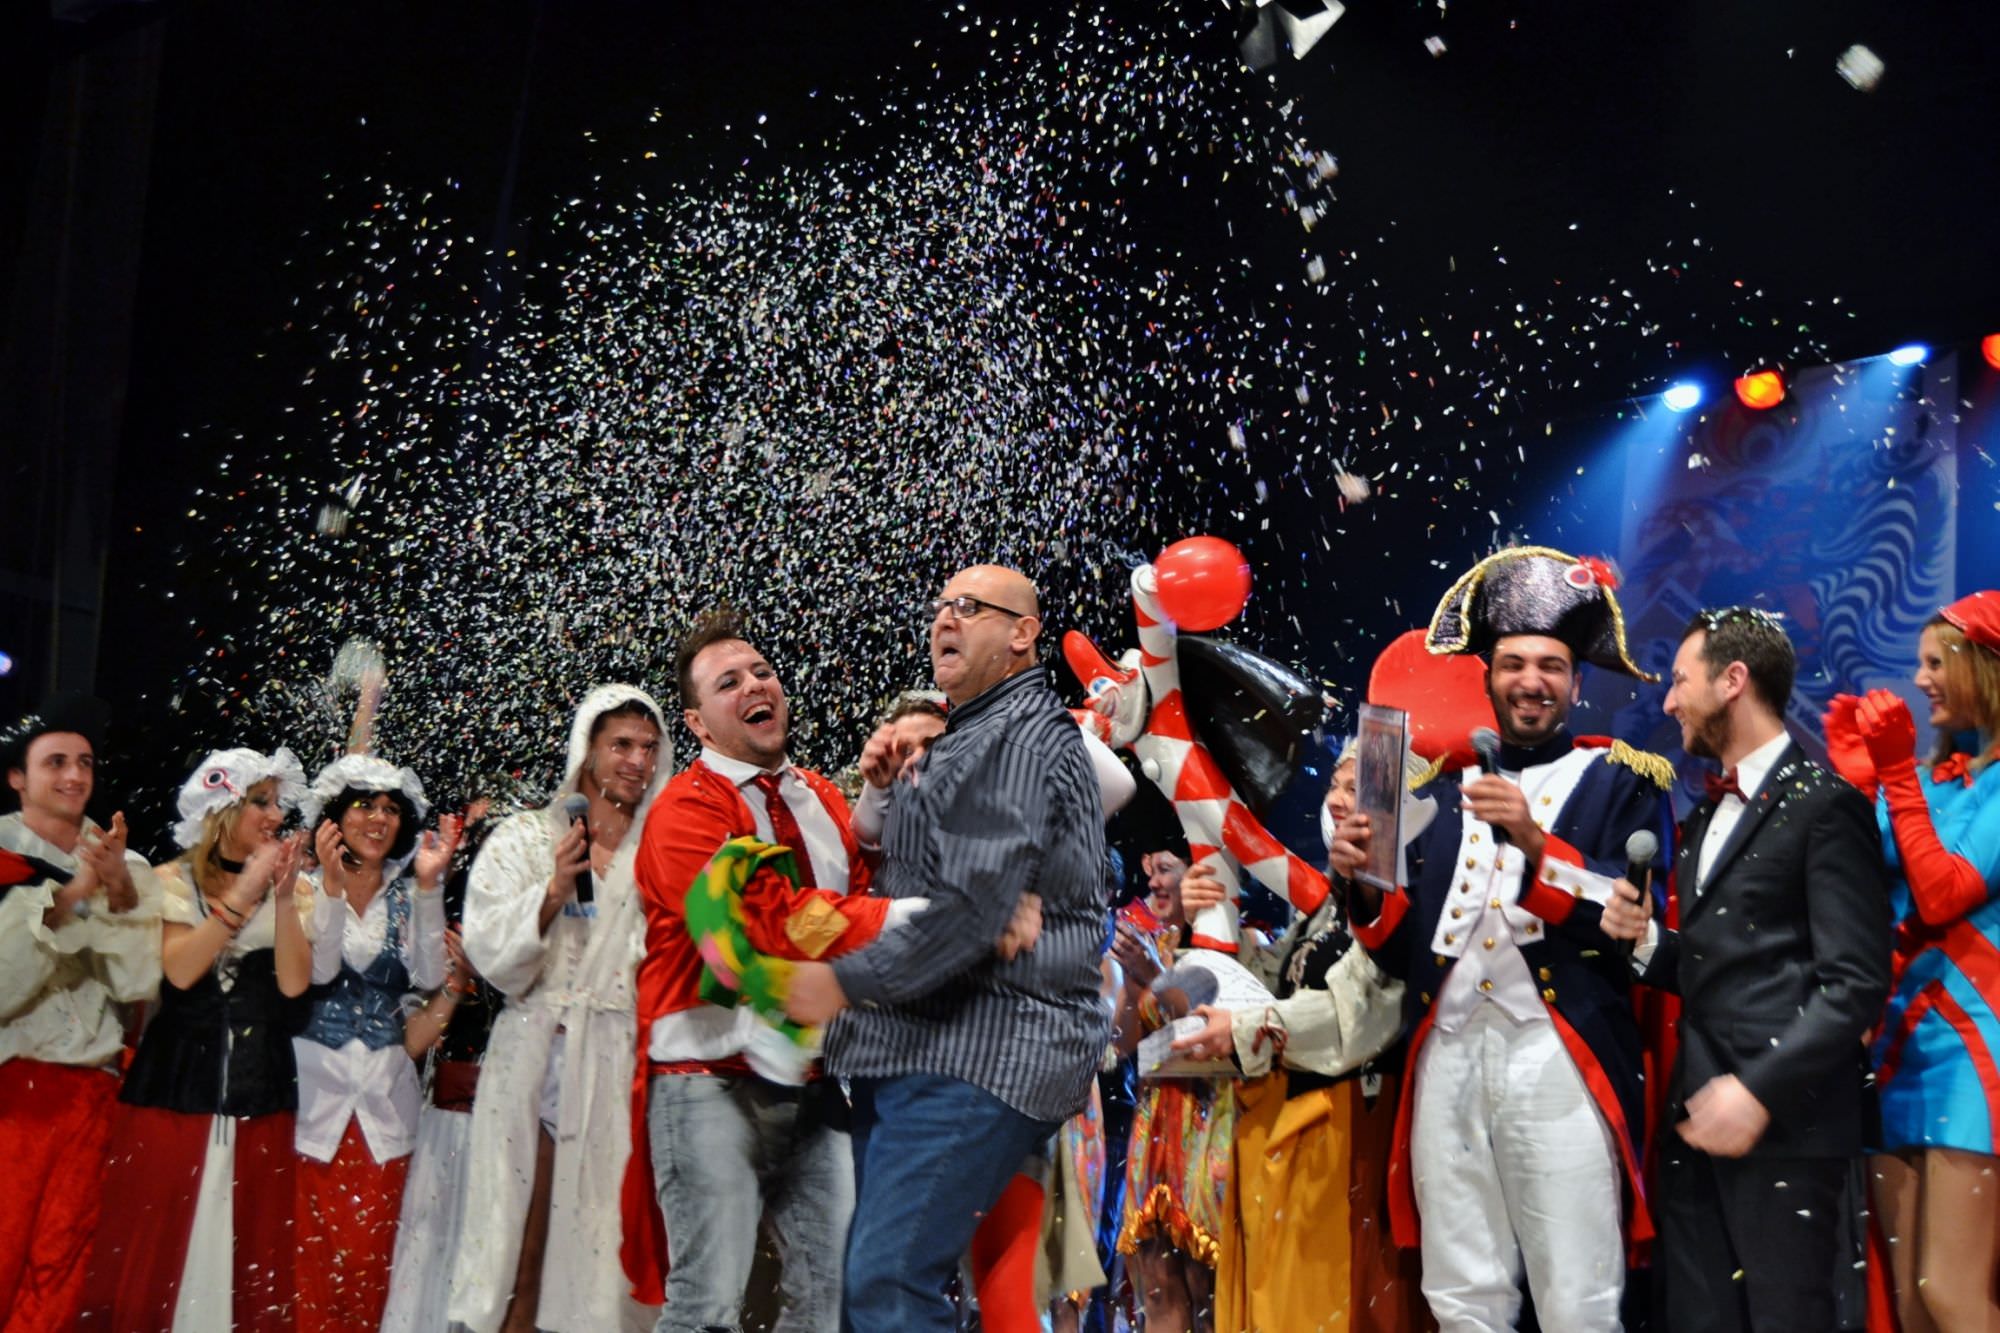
<point x="1989" y="347"/>
<point x="1761" y="390"/>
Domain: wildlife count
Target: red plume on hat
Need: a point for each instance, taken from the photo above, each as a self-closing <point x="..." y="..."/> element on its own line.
<point x="1978" y="618"/>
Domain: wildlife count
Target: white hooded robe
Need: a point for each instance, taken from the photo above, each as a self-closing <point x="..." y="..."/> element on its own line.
<point x="578" y="977"/>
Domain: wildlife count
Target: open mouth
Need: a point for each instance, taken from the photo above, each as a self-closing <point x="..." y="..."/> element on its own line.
<point x="947" y="652"/>
<point x="759" y="714"/>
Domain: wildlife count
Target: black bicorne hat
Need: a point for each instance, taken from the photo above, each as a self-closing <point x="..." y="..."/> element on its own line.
<point x="1536" y="590"/>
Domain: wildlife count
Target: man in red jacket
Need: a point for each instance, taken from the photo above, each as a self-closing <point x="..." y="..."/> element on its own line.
<point x="733" y="1132"/>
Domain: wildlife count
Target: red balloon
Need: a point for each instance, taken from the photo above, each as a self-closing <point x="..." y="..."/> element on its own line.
<point x="1203" y="581"/>
<point x="1445" y="696"/>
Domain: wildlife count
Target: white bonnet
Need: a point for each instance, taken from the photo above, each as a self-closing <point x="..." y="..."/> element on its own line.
<point x="366" y="773"/>
<point x="225" y="777"/>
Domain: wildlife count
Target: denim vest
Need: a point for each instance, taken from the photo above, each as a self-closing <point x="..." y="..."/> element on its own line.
<point x="367" y="1004"/>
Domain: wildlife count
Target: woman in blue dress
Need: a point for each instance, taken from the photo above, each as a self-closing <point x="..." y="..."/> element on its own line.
<point x="1937" y="1055"/>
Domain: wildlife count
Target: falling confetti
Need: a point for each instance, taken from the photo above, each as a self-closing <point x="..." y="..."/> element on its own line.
<point x="969" y="321"/>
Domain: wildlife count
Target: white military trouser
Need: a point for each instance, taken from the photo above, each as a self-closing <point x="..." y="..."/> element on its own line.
<point x="1512" y="1161"/>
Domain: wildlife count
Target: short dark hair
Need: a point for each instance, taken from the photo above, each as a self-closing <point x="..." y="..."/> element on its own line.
<point x="715" y="625"/>
<point x="1754" y="638"/>
<point x="629" y="708"/>
<point x="406" y="826"/>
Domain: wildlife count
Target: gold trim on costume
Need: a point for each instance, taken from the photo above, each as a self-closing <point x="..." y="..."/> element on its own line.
<point x="1164" y="1211"/>
<point x="1656" y="768"/>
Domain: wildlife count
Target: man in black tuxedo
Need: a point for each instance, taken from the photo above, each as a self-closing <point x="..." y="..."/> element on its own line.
<point x="1782" y="965"/>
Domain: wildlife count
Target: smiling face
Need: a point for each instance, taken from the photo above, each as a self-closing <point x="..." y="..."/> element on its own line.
<point x="1698" y="698"/>
<point x="55" y="780"/>
<point x="1953" y="707"/>
<point x="1532" y="683"/>
<point x="1164" y="872"/>
<point x="971" y="654"/>
<point x="253" y="821"/>
<point x="1344" y="794"/>
<point x="739" y="707"/>
<point x="369" y="827"/>
<point x="622" y="758"/>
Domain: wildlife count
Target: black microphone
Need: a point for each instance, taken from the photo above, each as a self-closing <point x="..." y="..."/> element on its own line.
<point x="1486" y="744"/>
<point x="1640" y="849"/>
<point x="576" y="809"/>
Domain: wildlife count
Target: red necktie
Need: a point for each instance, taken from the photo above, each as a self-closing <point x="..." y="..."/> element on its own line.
<point x="1726" y="785"/>
<point x="785" y="828"/>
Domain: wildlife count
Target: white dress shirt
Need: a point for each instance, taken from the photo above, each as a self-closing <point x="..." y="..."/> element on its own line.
<point x="1751" y="771"/>
<point x="63" y="991"/>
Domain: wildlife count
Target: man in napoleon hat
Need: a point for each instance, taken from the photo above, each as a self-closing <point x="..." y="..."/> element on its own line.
<point x="1522" y="1120"/>
<point x="79" y="940"/>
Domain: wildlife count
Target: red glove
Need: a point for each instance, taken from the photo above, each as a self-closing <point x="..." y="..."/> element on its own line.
<point x="1945" y="885"/>
<point x="1887" y="730"/>
<point x="1845" y="749"/>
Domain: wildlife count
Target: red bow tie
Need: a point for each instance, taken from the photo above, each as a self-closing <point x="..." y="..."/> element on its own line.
<point x="1726" y="785"/>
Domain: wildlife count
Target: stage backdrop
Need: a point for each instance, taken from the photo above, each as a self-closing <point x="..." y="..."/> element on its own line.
<point x="1837" y="511"/>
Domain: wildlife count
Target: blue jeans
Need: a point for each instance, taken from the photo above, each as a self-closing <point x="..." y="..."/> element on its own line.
<point x="931" y="1155"/>
<point x="726" y="1150"/>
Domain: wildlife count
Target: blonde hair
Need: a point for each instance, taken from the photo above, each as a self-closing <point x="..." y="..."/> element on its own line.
<point x="1971" y="672"/>
<point x="204" y="860"/>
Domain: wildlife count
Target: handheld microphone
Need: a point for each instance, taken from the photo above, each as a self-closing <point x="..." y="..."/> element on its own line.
<point x="576" y="809"/>
<point x="1640" y="849"/>
<point x="1486" y="744"/>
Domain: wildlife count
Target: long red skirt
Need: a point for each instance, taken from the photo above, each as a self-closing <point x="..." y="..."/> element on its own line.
<point x="151" y="1186"/>
<point x="348" y="1209"/>
<point x="54" y="1122"/>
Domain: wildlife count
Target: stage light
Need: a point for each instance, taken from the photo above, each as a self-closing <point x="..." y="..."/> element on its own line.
<point x="1682" y="397"/>
<point x="1989" y="347"/>
<point x="1760" y="390"/>
<point x="6" y="665"/>
<point x="1910" y="354"/>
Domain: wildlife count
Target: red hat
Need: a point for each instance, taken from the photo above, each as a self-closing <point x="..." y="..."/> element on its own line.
<point x="1978" y="618"/>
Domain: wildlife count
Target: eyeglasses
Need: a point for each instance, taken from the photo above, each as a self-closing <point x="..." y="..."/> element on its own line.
<point x="965" y="608"/>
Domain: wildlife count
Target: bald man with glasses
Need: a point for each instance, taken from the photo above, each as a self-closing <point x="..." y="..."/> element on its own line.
<point x="962" y="1062"/>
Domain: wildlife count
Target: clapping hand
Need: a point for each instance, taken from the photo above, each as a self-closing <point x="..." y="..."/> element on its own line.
<point x="105" y="855"/>
<point x="1846" y="750"/>
<point x="331" y="849"/>
<point x="1887" y="729"/>
<point x="1137" y="956"/>
<point x="434" y="851"/>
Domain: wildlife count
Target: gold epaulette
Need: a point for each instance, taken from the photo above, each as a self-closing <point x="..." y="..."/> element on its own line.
<point x="1654" y="767"/>
<point x="1429" y="774"/>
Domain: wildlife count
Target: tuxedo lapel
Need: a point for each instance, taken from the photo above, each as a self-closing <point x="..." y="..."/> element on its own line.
<point x="1687" y="858"/>
<point x="1769" y="797"/>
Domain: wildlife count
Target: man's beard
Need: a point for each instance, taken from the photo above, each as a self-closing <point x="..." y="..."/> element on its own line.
<point x="1556" y="718"/>
<point x="1708" y="735"/>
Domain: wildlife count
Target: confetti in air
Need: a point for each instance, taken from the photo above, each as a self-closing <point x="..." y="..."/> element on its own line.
<point x="1010" y="317"/>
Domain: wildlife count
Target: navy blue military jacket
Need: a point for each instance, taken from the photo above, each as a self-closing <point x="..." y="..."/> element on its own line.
<point x="1584" y="977"/>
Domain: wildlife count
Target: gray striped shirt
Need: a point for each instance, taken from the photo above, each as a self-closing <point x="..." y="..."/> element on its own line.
<point x="1005" y="802"/>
